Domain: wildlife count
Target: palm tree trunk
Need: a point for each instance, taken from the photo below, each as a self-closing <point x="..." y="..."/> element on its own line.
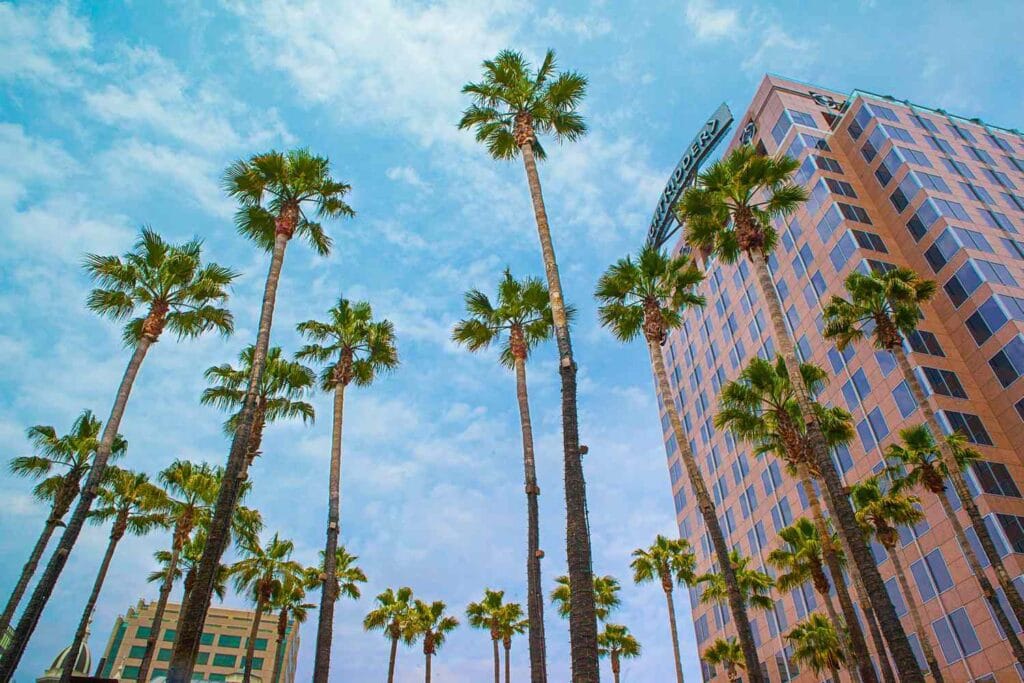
<point x="391" y="660"/>
<point x="43" y="590"/>
<point x="325" y="623"/>
<point x="876" y="633"/>
<point x="250" y="649"/>
<point x="535" y="595"/>
<point x="915" y="615"/>
<point x="282" y="627"/>
<point x="219" y="532"/>
<point x="158" y="615"/>
<point x="1013" y="597"/>
<point x="582" y="619"/>
<point x="427" y="669"/>
<point x="834" y="673"/>
<point x="27" y="572"/>
<point x="508" y="665"/>
<point x="707" y="510"/>
<point x="616" y="667"/>
<point x="667" y="587"/>
<point x="90" y="605"/>
<point x="861" y="561"/>
<point x="854" y="644"/>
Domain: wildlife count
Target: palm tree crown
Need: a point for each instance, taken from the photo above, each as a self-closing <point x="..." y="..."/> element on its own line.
<point x="170" y="281"/>
<point x="917" y="461"/>
<point x="725" y="652"/>
<point x="392" y="612"/>
<point x="429" y="621"/>
<point x="668" y="559"/>
<point x="262" y="568"/>
<point x="616" y="638"/>
<point x="132" y="502"/>
<point x="755" y="586"/>
<point x="348" y="575"/>
<point x="351" y="345"/>
<point x="816" y="644"/>
<point x="800" y="558"/>
<point x="488" y="613"/>
<point x="880" y="509"/>
<point x="887" y="305"/>
<point x="512" y="104"/>
<point x="606" y="596"/>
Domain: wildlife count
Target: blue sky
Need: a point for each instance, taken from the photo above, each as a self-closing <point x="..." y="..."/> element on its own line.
<point x="117" y="114"/>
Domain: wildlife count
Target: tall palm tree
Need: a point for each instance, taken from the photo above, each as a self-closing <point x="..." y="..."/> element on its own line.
<point x="887" y="307"/>
<point x="760" y="407"/>
<point x="429" y="621"/>
<point x="282" y="387"/>
<point x="262" y="571"/>
<point x="509" y="107"/>
<point x="669" y="561"/>
<point x="289" y="600"/>
<point x="391" y="616"/>
<point x="606" y="596"/>
<point x="646" y="296"/>
<point x="488" y="614"/>
<point x="178" y="292"/>
<point x="727" y="652"/>
<point x="617" y="643"/>
<point x="917" y="461"/>
<point x="755" y="586"/>
<point x="729" y="213"/>
<point x="520" y="319"/>
<point x="275" y="191"/>
<point x="512" y="624"/>
<point x="352" y="348"/>
<point x="60" y="462"/>
<point x="880" y="512"/>
<point x="817" y="645"/>
<point x="347" y="575"/>
<point x="133" y="504"/>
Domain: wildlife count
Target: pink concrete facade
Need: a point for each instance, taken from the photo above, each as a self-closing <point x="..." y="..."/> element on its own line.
<point x="890" y="183"/>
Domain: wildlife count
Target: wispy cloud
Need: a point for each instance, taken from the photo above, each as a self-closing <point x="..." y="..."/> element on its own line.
<point x="710" y="22"/>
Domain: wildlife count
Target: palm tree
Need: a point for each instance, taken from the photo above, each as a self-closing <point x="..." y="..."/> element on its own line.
<point x="755" y="586"/>
<point x="178" y="292"/>
<point x="918" y="461"/>
<point x="487" y="614"/>
<point x="272" y="189"/>
<point x="669" y="561"/>
<point x="728" y="213"/>
<point x="289" y="600"/>
<point x="135" y="505"/>
<point x="887" y="307"/>
<point x="391" y="616"/>
<point x="728" y="653"/>
<point x="262" y="571"/>
<point x="282" y="387"/>
<point x="351" y="347"/>
<point x="521" y="320"/>
<point x="347" y="575"/>
<point x="760" y="407"/>
<point x="61" y="462"/>
<point x="429" y="621"/>
<point x="880" y="512"/>
<point x="510" y="106"/>
<point x="511" y="624"/>
<point x="616" y="643"/>
<point x="647" y="296"/>
<point x="606" y="596"/>
<point x="817" y="645"/>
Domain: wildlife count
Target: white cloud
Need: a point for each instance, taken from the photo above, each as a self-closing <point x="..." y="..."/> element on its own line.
<point x="709" y="22"/>
<point x="40" y="46"/>
<point x="25" y="161"/>
<point x="779" y="51"/>
<point x="583" y="27"/>
<point x="407" y="175"/>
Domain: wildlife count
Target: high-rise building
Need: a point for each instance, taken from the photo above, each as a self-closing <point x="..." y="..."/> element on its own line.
<point x="891" y="183"/>
<point x="221" y="651"/>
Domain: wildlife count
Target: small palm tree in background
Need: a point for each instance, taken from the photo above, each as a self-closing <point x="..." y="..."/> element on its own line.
<point x="278" y="193"/>
<point x="880" y="512"/>
<point x="520" y="319"/>
<point x="670" y="561"/>
<point x="178" y="292"/>
<point x="510" y="106"/>
<point x="817" y="645"/>
<point x="726" y="652"/>
<point x="289" y="600"/>
<point x="60" y="462"/>
<point x="134" y="505"/>
<point x="606" y="596"/>
<point x="489" y="614"/>
<point x="616" y="643"/>
<point x="428" y="620"/>
<point x="887" y="307"/>
<point x="391" y="616"/>
<point x="262" y="571"/>
<point x="279" y="396"/>
<point x="352" y="348"/>
<point x="512" y="624"/>
<point x="755" y="586"/>
<point x="185" y="565"/>
<point x="347" y="575"/>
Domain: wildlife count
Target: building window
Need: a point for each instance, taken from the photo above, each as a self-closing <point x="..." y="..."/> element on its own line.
<point x="969" y="425"/>
<point x="224" y="660"/>
<point x="829" y="222"/>
<point x="257" y="663"/>
<point x="977" y="193"/>
<point x="897" y="598"/>
<point x="1008" y="363"/>
<point x="956" y="636"/>
<point x="869" y="240"/>
<point x="842" y="253"/>
<point x="164" y="655"/>
<point x="958" y="167"/>
<point x="980" y="155"/>
<point x="931" y="575"/>
<point x="987" y="320"/>
<point x="923" y="219"/>
<point x="137" y="652"/>
<point x="786" y="121"/>
<point x="170" y="634"/>
<point x="944" y="382"/>
<point x="782" y="515"/>
<point x="962" y="133"/>
<point x="940" y="145"/>
<point x="827" y="164"/>
<point x="843" y="459"/>
<point x="922" y="341"/>
<point x="854" y="213"/>
<point x="904" y="398"/>
<point x="1013" y="527"/>
<point x="840" y="187"/>
<point x="994" y="478"/>
<point x="924" y="122"/>
<point x="229" y="641"/>
<point x="999" y="178"/>
<point x="886" y="362"/>
<point x="994" y="219"/>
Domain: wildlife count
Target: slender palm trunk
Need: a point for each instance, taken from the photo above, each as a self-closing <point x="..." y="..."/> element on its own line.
<point x="582" y="619"/>
<point x="535" y="595"/>
<point x="834" y="673"/>
<point x="915" y="614"/>
<point x="28" y="571"/>
<point x="1013" y="597"/>
<point x="43" y="590"/>
<point x="250" y="650"/>
<point x="83" y="626"/>
<point x="707" y="510"/>
<point x="508" y="665"/>
<point x="325" y="624"/>
<point x="666" y="586"/>
<point x="853" y="643"/>
<point x="282" y="628"/>
<point x="391" y="660"/>
<point x="615" y="666"/>
<point x="427" y="668"/>
<point x="158" y="614"/>
<point x="861" y="561"/>
<point x="219" y="532"/>
<point x="497" y="661"/>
